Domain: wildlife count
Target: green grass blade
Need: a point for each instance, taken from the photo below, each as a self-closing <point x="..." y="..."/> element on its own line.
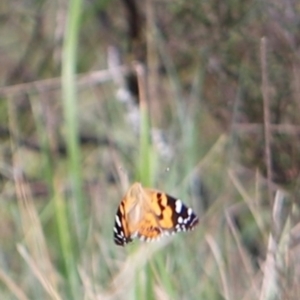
<point x="70" y="243"/>
<point x="69" y="93"/>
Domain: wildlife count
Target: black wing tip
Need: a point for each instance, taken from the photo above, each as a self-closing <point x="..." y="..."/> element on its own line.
<point x="122" y="242"/>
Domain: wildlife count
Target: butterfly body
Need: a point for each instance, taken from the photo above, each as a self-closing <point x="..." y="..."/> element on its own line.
<point x="148" y="214"/>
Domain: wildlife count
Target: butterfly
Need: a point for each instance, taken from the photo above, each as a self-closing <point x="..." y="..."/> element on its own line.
<point x="148" y="214"/>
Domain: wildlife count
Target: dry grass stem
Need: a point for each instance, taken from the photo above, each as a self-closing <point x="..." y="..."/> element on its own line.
<point x="248" y="265"/>
<point x="266" y="108"/>
<point x="221" y="265"/>
<point x="273" y="265"/>
<point x="15" y="289"/>
<point x="39" y="274"/>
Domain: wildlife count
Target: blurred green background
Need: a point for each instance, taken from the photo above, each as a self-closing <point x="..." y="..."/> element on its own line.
<point x="199" y="99"/>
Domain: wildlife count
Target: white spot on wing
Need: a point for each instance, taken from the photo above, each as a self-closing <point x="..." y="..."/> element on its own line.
<point x="178" y="227"/>
<point x="118" y="221"/>
<point x="186" y="220"/>
<point x="178" y="206"/>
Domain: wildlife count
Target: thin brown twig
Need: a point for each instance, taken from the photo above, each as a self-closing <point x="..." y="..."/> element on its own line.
<point x="153" y="61"/>
<point x="266" y="108"/>
<point x="274" y="128"/>
<point x="39" y="86"/>
<point x="141" y="77"/>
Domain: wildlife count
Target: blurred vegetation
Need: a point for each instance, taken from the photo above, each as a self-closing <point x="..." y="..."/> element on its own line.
<point x="196" y="98"/>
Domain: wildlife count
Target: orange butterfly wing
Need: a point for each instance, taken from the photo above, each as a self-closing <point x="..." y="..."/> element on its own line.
<point x="148" y="214"/>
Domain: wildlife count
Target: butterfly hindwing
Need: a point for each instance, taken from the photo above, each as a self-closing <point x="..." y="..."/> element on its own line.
<point x="121" y="231"/>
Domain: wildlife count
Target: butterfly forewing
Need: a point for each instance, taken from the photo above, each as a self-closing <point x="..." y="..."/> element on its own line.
<point x="175" y="215"/>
